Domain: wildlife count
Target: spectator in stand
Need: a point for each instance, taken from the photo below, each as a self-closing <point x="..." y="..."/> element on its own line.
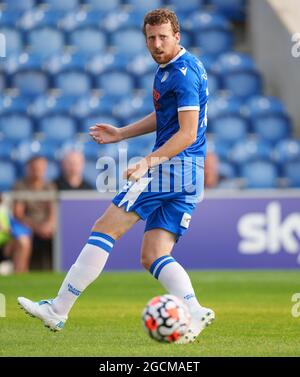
<point x="72" y="173"/>
<point x="15" y="243"/>
<point x="37" y="214"/>
<point x="211" y="170"/>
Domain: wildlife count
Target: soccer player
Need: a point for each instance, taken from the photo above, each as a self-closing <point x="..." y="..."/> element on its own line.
<point x="180" y="99"/>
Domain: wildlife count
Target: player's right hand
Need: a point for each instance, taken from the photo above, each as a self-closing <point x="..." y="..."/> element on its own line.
<point x="105" y="133"/>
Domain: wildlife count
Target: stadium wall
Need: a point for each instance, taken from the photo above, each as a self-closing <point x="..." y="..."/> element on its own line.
<point x="274" y="31"/>
<point x="228" y="230"/>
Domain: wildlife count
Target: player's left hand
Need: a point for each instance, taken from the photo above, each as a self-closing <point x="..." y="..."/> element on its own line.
<point x="136" y="171"/>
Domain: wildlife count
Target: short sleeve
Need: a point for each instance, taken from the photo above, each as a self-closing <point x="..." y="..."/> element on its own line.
<point x="187" y="89"/>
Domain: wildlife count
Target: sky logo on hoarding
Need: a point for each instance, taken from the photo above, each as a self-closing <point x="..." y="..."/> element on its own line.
<point x="269" y="232"/>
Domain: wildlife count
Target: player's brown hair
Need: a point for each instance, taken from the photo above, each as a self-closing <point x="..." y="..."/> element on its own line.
<point x="161" y="16"/>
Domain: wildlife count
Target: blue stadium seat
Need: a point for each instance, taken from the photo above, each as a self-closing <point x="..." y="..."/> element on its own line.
<point x="97" y="19"/>
<point x="63" y="5"/>
<point x="144" y="6"/>
<point x="16" y="127"/>
<point x="25" y="149"/>
<point x="40" y="106"/>
<point x="30" y="82"/>
<point x="69" y="62"/>
<point x="208" y="62"/>
<point x="199" y="21"/>
<point x="219" y="147"/>
<point x="116" y="84"/>
<point x="104" y="106"/>
<point x="48" y="104"/>
<point x="103" y="6"/>
<point x="213" y="82"/>
<point x="49" y="18"/>
<point x="13" y="11"/>
<point x="261" y="105"/>
<point x="239" y="75"/>
<point x="85" y="105"/>
<point x="145" y="82"/>
<point x="140" y="146"/>
<point x="53" y="170"/>
<point x="187" y="6"/>
<point x="71" y="145"/>
<point x="223" y="105"/>
<point x="250" y="150"/>
<point x="211" y="32"/>
<point x="132" y="106"/>
<point x="92" y="120"/>
<point x="260" y="174"/>
<point x="88" y="41"/>
<point x="99" y="63"/>
<point x="121" y="62"/>
<point x="233" y="9"/>
<point x="50" y="149"/>
<point x="135" y="41"/>
<point x="65" y="14"/>
<point x="141" y="64"/>
<point x="287" y="150"/>
<point x="272" y="128"/>
<point x="227" y="170"/>
<point x="73" y="83"/>
<point x="32" y="61"/>
<point x="45" y="41"/>
<point x="93" y="151"/>
<point x="47" y="148"/>
<point x="126" y="19"/>
<point x="186" y="39"/>
<point x="10" y="64"/>
<point x="230" y="128"/>
<point x="292" y="173"/>
<point x="6" y="149"/>
<point x="10" y="18"/>
<point x="8" y="175"/>
<point x="13" y="39"/>
<point x="213" y="41"/>
<point x="17" y="104"/>
<point x="57" y="127"/>
<point x="19" y="5"/>
<point x="243" y="84"/>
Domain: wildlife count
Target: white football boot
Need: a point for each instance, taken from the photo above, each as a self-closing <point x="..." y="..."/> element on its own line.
<point x="43" y="310"/>
<point x="200" y="320"/>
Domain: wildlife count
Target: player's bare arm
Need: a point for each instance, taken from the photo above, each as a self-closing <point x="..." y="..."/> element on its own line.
<point x="106" y="133"/>
<point x="186" y="136"/>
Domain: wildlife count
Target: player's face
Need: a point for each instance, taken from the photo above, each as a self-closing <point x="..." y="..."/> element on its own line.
<point x="162" y="42"/>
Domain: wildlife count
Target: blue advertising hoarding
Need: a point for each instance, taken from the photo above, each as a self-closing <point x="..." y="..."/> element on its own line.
<point x="233" y="232"/>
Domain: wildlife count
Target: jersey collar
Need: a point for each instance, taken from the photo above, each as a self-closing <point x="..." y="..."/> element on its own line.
<point x="181" y="52"/>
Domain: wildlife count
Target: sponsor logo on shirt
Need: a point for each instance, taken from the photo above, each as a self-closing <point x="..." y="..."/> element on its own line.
<point x="156" y="97"/>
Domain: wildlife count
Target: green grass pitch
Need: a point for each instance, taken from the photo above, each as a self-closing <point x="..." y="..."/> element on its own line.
<point x="253" y="316"/>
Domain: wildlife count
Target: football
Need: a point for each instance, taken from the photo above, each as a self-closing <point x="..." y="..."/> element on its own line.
<point x="166" y="318"/>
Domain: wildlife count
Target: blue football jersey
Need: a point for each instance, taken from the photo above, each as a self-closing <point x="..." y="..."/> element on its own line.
<point x="180" y="85"/>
